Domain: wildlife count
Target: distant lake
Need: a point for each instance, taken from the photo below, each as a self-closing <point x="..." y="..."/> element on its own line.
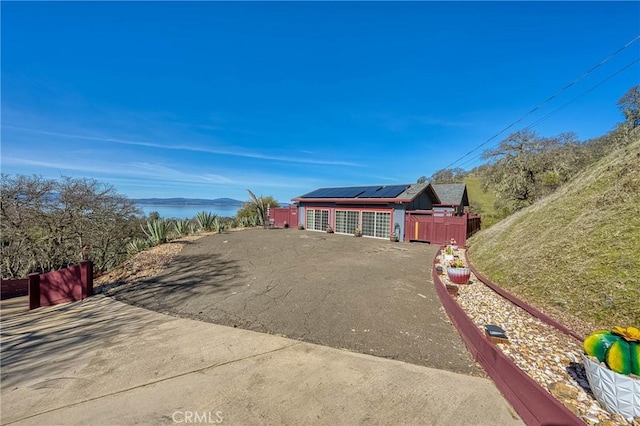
<point x="188" y="211"/>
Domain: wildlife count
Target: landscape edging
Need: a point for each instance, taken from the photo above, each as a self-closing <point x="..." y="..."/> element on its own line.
<point x="522" y="304"/>
<point x="533" y="403"/>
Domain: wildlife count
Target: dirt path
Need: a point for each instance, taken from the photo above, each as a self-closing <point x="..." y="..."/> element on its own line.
<point x="364" y="295"/>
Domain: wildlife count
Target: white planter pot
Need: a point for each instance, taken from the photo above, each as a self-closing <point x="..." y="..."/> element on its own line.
<point x="616" y="392"/>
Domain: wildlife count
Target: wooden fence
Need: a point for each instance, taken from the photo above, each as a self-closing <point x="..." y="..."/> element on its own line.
<point x="440" y="227"/>
<point x="65" y="285"/>
<point x="280" y="216"/>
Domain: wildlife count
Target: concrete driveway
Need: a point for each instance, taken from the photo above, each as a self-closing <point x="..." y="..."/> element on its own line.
<point x="103" y="362"/>
<point x="365" y="295"/>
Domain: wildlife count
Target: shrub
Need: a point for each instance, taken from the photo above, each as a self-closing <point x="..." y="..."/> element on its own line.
<point x="205" y="220"/>
<point x="157" y="231"/>
<point x="137" y="245"/>
<point x="218" y="225"/>
<point x="44" y="224"/>
<point x="183" y="227"/>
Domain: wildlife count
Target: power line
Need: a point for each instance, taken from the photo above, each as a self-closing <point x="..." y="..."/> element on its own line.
<point x="585" y="74"/>
<point x="540" y="120"/>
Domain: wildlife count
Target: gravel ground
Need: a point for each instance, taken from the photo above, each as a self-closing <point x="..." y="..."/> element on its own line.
<point x="360" y="294"/>
<point x="550" y="357"/>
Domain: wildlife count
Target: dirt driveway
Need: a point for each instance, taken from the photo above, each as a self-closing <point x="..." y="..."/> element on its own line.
<point x="363" y="295"/>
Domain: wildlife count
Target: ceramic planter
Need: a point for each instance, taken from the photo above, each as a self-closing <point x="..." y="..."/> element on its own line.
<point x="459" y="275"/>
<point x="452" y="290"/>
<point x="616" y="392"/>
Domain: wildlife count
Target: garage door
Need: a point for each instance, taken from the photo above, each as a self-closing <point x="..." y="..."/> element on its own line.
<point x="376" y="224"/>
<point x="347" y="221"/>
<point x="317" y="220"/>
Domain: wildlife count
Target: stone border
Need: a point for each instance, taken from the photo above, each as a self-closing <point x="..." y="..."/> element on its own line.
<point x="533" y="403"/>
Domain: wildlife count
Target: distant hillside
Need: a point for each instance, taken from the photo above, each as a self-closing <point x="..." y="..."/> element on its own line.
<point x="187" y="201"/>
<point x="578" y="250"/>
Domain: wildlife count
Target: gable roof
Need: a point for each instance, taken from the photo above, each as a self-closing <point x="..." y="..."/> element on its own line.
<point x="370" y="194"/>
<point x="452" y="193"/>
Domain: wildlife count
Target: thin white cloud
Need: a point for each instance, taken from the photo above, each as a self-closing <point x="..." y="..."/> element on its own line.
<point x="190" y="148"/>
<point x="156" y="172"/>
<point x="401" y="122"/>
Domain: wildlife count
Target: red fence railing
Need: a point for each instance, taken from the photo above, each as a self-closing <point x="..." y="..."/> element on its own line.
<point x="438" y="227"/>
<point x="64" y="285"/>
<point x="11" y="288"/>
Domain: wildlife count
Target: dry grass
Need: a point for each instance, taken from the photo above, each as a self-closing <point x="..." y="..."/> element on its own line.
<point x="576" y="252"/>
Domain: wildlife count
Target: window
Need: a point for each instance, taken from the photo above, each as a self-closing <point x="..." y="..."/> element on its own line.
<point x="341" y="221"/>
<point x="368" y="224"/>
<point x="353" y="218"/>
<point x="383" y="223"/>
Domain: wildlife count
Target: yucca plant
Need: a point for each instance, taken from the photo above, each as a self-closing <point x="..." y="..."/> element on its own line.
<point x="260" y="206"/>
<point x="157" y="231"/>
<point x="218" y="225"/>
<point x="137" y="245"/>
<point x="205" y="220"/>
<point x="254" y="221"/>
<point x="183" y="227"/>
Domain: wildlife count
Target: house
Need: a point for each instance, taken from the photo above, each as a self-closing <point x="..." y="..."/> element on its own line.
<point x="453" y="197"/>
<point x="412" y="212"/>
<point x="378" y="211"/>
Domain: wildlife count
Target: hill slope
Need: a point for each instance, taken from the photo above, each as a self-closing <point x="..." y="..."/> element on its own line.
<point x="482" y="202"/>
<point x="578" y="250"/>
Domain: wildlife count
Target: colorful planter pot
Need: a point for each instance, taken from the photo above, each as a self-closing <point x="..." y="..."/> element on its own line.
<point x="616" y="392"/>
<point x="459" y="275"/>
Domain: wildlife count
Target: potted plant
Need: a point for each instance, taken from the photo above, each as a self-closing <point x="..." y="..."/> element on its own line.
<point x="457" y="272"/>
<point x="447" y="254"/>
<point x="612" y="364"/>
<point x="357" y="232"/>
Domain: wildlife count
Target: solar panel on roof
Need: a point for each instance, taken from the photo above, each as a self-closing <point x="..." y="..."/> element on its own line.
<point x="370" y="192"/>
<point x="320" y="193"/>
<point x="389" y="191"/>
<point x="392" y="191"/>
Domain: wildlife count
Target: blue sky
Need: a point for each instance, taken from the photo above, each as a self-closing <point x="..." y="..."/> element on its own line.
<point x="206" y="99"/>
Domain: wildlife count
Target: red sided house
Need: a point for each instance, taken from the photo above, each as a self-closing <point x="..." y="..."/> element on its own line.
<point x="413" y="212"/>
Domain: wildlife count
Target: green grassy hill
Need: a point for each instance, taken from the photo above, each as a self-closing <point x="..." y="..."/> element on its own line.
<point x="482" y="202"/>
<point x="578" y="250"/>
